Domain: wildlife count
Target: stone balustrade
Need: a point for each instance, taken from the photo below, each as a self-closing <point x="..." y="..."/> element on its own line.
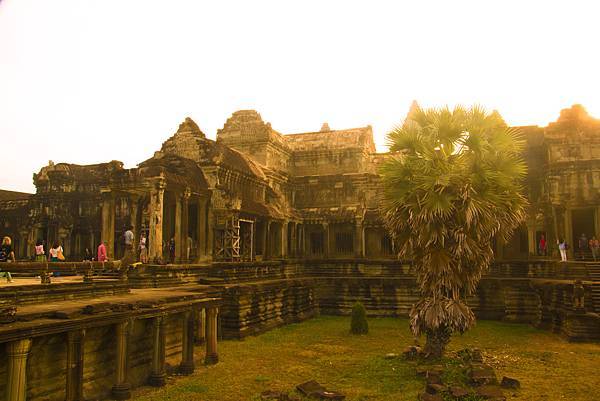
<point x="98" y="355"/>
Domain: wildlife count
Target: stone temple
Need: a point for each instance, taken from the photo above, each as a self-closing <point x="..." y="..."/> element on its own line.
<point x="255" y="230"/>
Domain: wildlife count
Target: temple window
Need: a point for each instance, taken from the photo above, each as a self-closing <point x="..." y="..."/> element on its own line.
<point x="344" y="242"/>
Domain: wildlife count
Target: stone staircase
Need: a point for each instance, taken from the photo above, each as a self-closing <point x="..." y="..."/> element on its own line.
<point x="593" y="271"/>
<point x="594" y="275"/>
<point x="596" y="296"/>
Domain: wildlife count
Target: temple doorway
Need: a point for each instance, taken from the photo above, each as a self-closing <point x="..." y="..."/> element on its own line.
<point x="583" y="223"/>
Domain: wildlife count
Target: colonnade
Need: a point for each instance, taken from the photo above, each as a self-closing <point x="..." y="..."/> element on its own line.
<point x="199" y="325"/>
<point x="159" y="221"/>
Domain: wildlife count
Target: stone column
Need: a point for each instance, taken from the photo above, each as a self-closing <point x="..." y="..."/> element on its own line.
<point x="359" y="240"/>
<point x="185" y="203"/>
<point x="293" y="245"/>
<point x="499" y="251"/>
<point x="211" y="336"/>
<point x="303" y="248"/>
<point x="326" y="239"/>
<point x="64" y="238"/>
<point x="210" y="231"/>
<point x="265" y="238"/>
<point x="284" y="241"/>
<point x="25" y="245"/>
<point x="16" y="384"/>
<point x="120" y="391"/>
<point x="75" y="356"/>
<point x="200" y="334"/>
<point x="186" y="367"/>
<point x="597" y="222"/>
<point x="155" y="235"/>
<point x="267" y="245"/>
<point x="569" y="233"/>
<point x="178" y="227"/>
<point x="202" y="229"/>
<point x="531" y="239"/>
<point x="108" y="222"/>
<point x="363" y="242"/>
<point x="158" y="375"/>
<point x="133" y="202"/>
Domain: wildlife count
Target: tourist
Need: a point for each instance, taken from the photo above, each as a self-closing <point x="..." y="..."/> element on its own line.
<point x="172" y="249"/>
<point x="87" y="255"/>
<point x="56" y="253"/>
<point x="128" y="237"/>
<point x="143" y="249"/>
<point x="583" y="244"/>
<point x="6" y="255"/>
<point x="189" y="247"/>
<point x="542" y="246"/>
<point x="40" y="254"/>
<point x="562" y="246"/>
<point x="6" y="252"/>
<point x="102" y="256"/>
<point x="594" y="244"/>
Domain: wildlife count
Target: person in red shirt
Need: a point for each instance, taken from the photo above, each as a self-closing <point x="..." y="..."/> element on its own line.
<point x="102" y="257"/>
<point x="543" y="250"/>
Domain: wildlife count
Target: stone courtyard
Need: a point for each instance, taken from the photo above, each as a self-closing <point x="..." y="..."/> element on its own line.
<point x="254" y="231"/>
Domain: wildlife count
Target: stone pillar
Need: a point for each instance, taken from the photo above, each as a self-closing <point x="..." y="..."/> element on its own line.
<point x="16" y="384"/>
<point x="75" y="356"/>
<point x="185" y="203"/>
<point x="178" y="228"/>
<point x="363" y="242"/>
<point x="64" y="238"/>
<point x="202" y="237"/>
<point x="265" y="238"/>
<point x="108" y="222"/>
<point x="597" y="222"/>
<point x="200" y="334"/>
<point x="569" y="233"/>
<point x="284" y="241"/>
<point x="158" y="375"/>
<point x="155" y="235"/>
<point x="210" y="231"/>
<point x="211" y="336"/>
<point x="499" y="254"/>
<point x="326" y="239"/>
<point x="186" y="367"/>
<point x="303" y="247"/>
<point x="25" y="245"/>
<point x="267" y="253"/>
<point x="531" y="239"/>
<point x="293" y="243"/>
<point x="120" y="390"/>
<point x="133" y="202"/>
<point x="358" y="240"/>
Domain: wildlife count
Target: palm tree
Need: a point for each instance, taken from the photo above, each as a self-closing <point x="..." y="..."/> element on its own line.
<point x="452" y="185"/>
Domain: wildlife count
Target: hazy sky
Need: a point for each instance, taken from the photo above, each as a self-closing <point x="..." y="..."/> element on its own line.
<point x="91" y="81"/>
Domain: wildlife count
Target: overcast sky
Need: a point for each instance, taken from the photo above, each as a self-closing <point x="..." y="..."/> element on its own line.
<point x="92" y="81"/>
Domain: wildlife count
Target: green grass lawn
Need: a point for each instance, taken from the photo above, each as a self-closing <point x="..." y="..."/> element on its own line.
<point x="322" y="349"/>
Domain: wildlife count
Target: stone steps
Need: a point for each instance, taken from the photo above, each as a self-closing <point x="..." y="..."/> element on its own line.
<point x="593" y="271"/>
<point x="596" y="296"/>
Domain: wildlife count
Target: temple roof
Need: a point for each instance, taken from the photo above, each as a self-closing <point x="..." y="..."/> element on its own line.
<point x="222" y="155"/>
<point x="180" y="169"/>
<point x="77" y="172"/>
<point x="13" y="195"/>
<point x="335" y="139"/>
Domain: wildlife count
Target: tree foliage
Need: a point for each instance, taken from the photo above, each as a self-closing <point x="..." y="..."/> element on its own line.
<point x="452" y="185"/>
<point x="359" y="324"/>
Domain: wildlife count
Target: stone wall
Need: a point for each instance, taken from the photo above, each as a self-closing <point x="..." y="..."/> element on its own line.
<point x="260" y="296"/>
<point x="46" y="366"/>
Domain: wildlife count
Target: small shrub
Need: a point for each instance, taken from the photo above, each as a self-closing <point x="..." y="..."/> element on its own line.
<point x="359" y="324"/>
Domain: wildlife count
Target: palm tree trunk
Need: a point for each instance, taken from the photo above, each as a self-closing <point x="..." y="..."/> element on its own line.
<point x="437" y="340"/>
